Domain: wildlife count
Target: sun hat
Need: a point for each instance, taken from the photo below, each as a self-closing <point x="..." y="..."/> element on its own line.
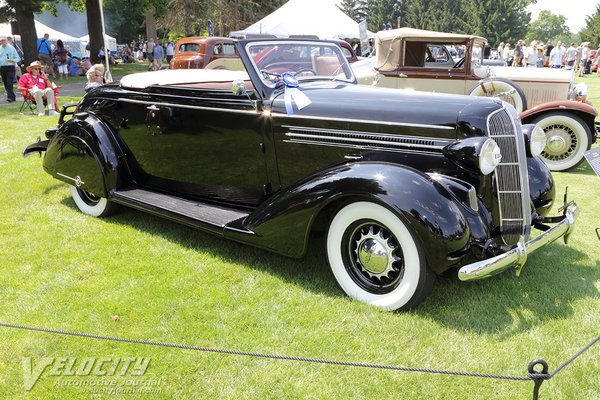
<point x="35" y="64"/>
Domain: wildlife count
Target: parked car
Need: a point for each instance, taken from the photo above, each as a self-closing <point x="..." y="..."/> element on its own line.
<point x="414" y="59"/>
<point x="198" y="52"/>
<point x="407" y="185"/>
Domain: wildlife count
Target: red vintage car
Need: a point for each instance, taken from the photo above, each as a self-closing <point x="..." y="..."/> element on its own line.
<point x="198" y="52"/>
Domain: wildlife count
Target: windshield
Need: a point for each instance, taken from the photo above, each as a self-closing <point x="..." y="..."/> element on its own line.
<point x="305" y="60"/>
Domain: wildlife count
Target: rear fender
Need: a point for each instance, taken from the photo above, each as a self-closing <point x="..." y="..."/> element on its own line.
<point x="84" y="153"/>
<point x="283" y="223"/>
<point x="583" y="110"/>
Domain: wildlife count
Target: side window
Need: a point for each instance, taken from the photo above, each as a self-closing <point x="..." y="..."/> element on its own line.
<point x="189" y="47"/>
<point x="414" y="54"/>
<point x="218" y="49"/>
<point x="229" y="49"/>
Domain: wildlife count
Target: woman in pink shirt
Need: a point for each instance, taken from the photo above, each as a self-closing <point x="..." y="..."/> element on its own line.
<point x="37" y="84"/>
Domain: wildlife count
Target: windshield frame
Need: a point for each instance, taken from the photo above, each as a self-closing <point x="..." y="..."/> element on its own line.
<point x="345" y="75"/>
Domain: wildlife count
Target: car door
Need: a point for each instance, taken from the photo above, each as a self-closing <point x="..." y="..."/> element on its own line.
<point x="196" y="142"/>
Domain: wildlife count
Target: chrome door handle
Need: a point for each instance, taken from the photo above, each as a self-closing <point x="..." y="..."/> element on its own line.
<point x="152" y="108"/>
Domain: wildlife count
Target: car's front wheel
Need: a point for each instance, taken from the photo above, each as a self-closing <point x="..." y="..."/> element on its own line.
<point x="376" y="259"/>
<point x="503" y="89"/>
<point x="568" y="137"/>
<point x="91" y="204"/>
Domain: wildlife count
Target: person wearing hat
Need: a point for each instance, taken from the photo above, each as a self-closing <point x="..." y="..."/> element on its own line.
<point x="8" y="59"/>
<point x="36" y="83"/>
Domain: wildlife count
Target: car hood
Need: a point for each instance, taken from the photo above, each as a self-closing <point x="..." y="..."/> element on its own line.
<point x="358" y="103"/>
<point x="529" y="74"/>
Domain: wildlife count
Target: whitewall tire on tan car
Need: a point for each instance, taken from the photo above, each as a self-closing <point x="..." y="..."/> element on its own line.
<point x="504" y="89"/>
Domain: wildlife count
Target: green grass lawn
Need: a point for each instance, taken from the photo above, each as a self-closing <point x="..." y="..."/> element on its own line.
<point x="137" y="276"/>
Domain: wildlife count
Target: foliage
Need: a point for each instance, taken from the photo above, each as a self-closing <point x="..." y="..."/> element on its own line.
<point x="548" y="26"/>
<point x="436" y="15"/>
<point x="355" y="9"/>
<point x="591" y="31"/>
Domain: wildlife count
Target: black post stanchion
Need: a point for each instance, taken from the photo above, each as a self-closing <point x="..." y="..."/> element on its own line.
<point x="538" y="377"/>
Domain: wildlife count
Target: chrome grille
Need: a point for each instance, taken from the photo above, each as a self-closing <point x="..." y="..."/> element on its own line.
<point x="512" y="182"/>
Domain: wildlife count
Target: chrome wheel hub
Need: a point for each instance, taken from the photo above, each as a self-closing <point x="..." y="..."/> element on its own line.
<point x="375" y="253"/>
<point x="561" y="142"/>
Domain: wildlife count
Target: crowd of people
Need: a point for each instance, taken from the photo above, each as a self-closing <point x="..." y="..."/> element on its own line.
<point x="541" y="55"/>
<point x="151" y="51"/>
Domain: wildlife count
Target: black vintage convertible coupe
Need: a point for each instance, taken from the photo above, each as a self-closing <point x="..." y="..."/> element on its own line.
<point x="282" y="142"/>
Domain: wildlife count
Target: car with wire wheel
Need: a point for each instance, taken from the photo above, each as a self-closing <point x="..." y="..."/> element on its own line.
<point x="405" y="186"/>
<point x="417" y="59"/>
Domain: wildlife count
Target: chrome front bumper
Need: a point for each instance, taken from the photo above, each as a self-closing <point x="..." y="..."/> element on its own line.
<point x="516" y="257"/>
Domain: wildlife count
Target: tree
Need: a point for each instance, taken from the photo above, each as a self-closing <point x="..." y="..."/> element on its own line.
<point x="382" y="12"/>
<point x="22" y="11"/>
<point x="436" y="15"/>
<point x="355" y="9"/>
<point x="591" y="31"/>
<point x="497" y="21"/>
<point x="548" y="26"/>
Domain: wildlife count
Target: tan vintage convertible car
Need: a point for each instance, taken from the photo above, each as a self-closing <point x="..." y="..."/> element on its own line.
<point x="416" y="59"/>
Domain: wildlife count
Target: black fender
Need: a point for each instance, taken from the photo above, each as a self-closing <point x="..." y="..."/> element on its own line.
<point x="437" y="219"/>
<point x="84" y="152"/>
<point x="541" y="186"/>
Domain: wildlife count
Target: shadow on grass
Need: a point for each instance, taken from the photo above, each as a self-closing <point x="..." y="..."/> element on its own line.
<point x="311" y="272"/>
<point x="551" y="281"/>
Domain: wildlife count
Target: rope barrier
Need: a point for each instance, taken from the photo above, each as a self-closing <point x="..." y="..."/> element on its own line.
<point x="538" y="377"/>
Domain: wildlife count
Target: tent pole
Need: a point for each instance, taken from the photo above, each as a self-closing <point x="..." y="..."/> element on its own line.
<point x="107" y="74"/>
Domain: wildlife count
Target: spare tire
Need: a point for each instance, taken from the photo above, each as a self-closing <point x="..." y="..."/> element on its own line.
<point x="504" y="89"/>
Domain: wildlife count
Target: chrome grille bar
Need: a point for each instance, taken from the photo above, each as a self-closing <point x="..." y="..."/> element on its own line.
<point x="512" y="184"/>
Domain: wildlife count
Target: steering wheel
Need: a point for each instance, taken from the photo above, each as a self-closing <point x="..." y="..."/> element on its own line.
<point x="270" y="75"/>
<point x="303" y="70"/>
<point x="459" y="63"/>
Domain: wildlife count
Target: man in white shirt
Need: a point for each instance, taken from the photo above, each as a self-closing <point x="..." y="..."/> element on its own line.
<point x="556" y="55"/>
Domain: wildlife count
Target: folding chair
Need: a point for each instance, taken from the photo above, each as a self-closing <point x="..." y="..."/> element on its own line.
<point x="29" y="101"/>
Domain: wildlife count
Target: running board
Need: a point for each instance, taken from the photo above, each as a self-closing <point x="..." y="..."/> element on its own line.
<point x="193" y="213"/>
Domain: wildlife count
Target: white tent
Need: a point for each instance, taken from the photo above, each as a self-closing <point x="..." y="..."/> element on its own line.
<point x="41" y="30"/>
<point x="305" y="17"/>
<point x="109" y="41"/>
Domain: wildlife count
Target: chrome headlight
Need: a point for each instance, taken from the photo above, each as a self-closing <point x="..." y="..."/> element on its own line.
<point x="489" y="157"/>
<point x="580" y="92"/>
<point x="475" y="153"/>
<point x="535" y="139"/>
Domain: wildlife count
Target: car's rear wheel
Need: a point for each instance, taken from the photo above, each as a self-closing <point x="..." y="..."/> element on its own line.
<point x="503" y="89"/>
<point x="376" y="259"/>
<point x="91" y="204"/>
<point x="568" y="137"/>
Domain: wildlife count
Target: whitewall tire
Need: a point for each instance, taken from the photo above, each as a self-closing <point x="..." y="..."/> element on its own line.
<point x="503" y="89"/>
<point x="568" y="137"/>
<point x="91" y="204"/>
<point x="375" y="258"/>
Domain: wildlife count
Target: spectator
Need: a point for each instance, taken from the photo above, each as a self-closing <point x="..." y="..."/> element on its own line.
<point x="37" y="84"/>
<point x="8" y="59"/>
<point x="532" y="55"/>
<point x="556" y="55"/>
<point x="150" y="52"/>
<point x="19" y="63"/>
<point x="540" y="57"/>
<point x="170" y="51"/>
<point x="518" y="54"/>
<point x="585" y="50"/>
<point x="95" y="77"/>
<point x="570" y="56"/>
<point x="158" y="54"/>
<point x="61" y="60"/>
<point x="506" y="52"/>
<point x="85" y="65"/>
<point x="44" y="48"/>
<point x="500" y="50"/>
